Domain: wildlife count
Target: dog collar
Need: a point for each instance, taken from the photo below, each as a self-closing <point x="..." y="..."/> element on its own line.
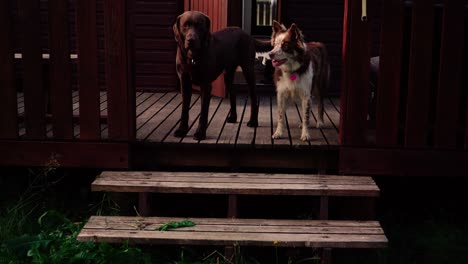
<point x="293" y="77"/>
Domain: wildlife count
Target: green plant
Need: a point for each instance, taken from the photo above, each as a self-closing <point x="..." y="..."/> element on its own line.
<point x="56" y="243"/>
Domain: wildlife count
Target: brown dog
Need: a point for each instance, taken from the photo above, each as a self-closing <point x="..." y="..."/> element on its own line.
<point x="202" y="56"/>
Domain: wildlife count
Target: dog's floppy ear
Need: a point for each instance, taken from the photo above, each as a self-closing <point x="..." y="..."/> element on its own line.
<point x="207" y="39"/>
<point x="176" y="30"/>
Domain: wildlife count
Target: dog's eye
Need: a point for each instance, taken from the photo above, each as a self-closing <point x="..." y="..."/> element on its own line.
<point x="285" y="46"/>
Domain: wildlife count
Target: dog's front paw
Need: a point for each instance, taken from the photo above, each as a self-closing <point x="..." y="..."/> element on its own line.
<point x="277" y="134"/>
<point x="232" y="118"/>
<point x="305" y="137"/>
<point x="252" y="123"/>
<point x="199" y="135"/>
<point x="181" y="132"/>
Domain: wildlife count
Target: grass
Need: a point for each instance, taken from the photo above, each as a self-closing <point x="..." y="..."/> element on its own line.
<point x="43" y="209"/>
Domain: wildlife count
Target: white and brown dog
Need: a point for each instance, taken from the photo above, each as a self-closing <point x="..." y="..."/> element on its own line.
<point x="301" y="70"/>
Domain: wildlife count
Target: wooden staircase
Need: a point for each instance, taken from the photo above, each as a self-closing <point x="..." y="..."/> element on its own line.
<point x="320" y="233"/>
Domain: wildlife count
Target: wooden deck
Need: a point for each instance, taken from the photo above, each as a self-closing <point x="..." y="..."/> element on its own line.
<point x="227" y="144"/>
<point x="158" y="116"/>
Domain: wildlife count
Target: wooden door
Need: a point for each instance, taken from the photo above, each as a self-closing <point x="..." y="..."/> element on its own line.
<point x="217" y="11"/>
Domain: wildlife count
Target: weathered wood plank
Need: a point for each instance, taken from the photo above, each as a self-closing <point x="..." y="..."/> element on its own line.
<point x="87" y="47"/>
<point x="214" y="106"/>
<point x="332" y="114"/>
<point x="280" y="184"/>
<point x="34" y="92"/>
<point x="327" y="134"/>
<point x="102" y="220"/>
<point x="279" y="143"/>
<point x="238" y="233"/>
<point x="60" y="71"/>
<point x="451" y="64"/>
<point x="193" y="117"/>
<point x="155" y="108"/>
<point x="388" y="94"/>
<point x="154" y="224"/>
<point x="237" y="188"/>
<point x="150" y="174"/>
<point x="246" y="134"/>
<point x="146" y="101"/>
<point x="216" y="125"/>
<point x="420" y="72"/>
<point x="8" y="97"/>
<point x="230" y="130"/>
<point x="151" y="124"/>
<point x="263" y="132"/>
<point x="294" y="121"/>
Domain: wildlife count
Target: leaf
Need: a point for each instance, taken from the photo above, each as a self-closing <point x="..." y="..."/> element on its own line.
<point x="175" y="225"/>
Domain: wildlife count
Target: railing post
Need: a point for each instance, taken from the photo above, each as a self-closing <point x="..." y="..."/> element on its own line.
<point x="87" y="47"/>
<point x="355" y="80"/>
<point x="120" y="91"/>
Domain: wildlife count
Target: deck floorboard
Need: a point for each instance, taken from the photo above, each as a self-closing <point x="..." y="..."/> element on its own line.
<point x="158" y="116"/>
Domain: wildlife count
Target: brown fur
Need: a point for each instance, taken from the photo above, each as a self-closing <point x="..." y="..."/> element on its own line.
<point x="202" y="56"/>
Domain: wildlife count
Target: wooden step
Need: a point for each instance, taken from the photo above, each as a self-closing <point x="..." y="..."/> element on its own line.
<point x="243" y="232"/>
<point x="235" y="183"/>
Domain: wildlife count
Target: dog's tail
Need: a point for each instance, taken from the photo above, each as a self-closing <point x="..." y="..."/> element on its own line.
<point x="262" y="46"/>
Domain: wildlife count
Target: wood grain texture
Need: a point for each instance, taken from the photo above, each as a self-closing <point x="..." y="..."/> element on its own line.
<point x="218" y="183"/>
<point x="258" y="232"/>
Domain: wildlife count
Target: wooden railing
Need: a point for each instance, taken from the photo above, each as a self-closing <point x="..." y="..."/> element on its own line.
<point x="57" y="107"/>
<point x="421" y="95"/>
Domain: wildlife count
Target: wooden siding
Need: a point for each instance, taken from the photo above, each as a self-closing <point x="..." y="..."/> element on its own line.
<point x="155" y="47"/>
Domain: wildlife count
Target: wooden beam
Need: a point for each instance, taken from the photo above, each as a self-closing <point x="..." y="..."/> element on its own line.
<point x="60" y="71"/>
<point x="388" y="89"/>
<point x="88" y="69"/>
<point x="8" y="111"/>
<point x="403" y="162"/>
<point x="34" y="92"/>
<point x="420" y="72"/>
<point x="67" y="154"/>
<point x="451" y="64"/>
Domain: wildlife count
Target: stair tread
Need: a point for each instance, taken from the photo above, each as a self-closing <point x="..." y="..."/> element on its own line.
<point x="235" y="183"/>
<point x="226" y="231"/>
